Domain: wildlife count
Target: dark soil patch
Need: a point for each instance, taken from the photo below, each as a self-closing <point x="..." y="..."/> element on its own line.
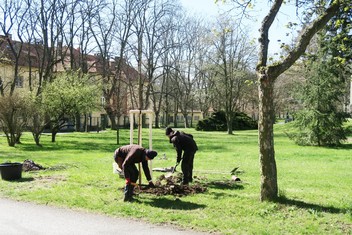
<point x="172" y="186"/>
<point x="30" y="165"/>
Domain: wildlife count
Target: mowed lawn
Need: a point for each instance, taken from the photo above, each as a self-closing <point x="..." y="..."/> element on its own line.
<point x="315" y="183"/>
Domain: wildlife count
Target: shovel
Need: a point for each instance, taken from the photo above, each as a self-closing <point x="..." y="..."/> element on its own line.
<point x="168" y="175"/>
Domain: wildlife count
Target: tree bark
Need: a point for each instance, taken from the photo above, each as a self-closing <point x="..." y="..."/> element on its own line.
<point x="53" y="136"/>
<point x="36" y="137"/>
<point x="157" y="117"/>
<point x="112" y="119"/>
<point x="229" y="121"/>
<point x="269" y="186"/>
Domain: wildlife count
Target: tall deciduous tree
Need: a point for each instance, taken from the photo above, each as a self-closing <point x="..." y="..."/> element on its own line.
<point x="160" y="22"/>
<point x="102" y="27"/>
<point x="267" y="74"/>
<point x="233" y="58"/>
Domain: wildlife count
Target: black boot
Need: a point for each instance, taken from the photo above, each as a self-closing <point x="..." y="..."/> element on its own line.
<point x="185" y="180"/>
<point x="128" y="191"/>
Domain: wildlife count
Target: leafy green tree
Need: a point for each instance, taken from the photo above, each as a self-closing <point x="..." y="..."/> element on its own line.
<point x="12" y="116"/>
<point x="70" y="93"/>
<point x="321" y="122"/>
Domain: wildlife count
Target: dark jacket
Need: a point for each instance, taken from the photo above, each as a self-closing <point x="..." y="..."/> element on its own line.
<point x="183" y="142"/>
<point x="131" y="154"/>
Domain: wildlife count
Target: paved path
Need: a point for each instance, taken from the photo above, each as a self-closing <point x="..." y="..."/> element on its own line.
<point x="22" y="218"/>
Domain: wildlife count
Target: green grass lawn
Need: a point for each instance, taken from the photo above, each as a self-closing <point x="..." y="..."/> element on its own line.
<point x="315" y="183"/>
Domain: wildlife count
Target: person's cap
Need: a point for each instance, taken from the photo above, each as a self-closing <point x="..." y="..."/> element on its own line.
<point x="151" y="153"/>
<point x="168" y="130"/>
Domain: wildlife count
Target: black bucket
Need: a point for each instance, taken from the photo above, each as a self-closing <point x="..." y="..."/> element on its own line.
<point x="11" y="171"/>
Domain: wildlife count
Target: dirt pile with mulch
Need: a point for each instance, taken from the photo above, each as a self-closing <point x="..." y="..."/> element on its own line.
<point x="172" y="186"/>
<point x="30" y="165"/>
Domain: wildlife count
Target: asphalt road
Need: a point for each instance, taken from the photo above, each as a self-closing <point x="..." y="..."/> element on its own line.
<point x="17" y="218"/>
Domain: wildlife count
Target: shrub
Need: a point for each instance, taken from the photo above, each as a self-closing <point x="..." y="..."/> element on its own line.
<point x="13" y="116"/>
<point x="217" y="122"/>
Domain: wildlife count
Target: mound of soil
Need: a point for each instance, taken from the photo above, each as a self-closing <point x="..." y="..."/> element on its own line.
<point x="172" y="186"/>
<point x="30" y="165"/>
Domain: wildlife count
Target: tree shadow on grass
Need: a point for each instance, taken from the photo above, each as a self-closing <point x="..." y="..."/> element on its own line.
<point x="176" y="204"/>
<point x="224" y="184"/>
<point x="343" y="146"/>
<point x="70" y="145"/>
<point x="304" y="205"/>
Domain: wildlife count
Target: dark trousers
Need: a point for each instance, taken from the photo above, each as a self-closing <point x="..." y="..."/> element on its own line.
<point x="187" y="167"/>
<point x="131" y="172"/>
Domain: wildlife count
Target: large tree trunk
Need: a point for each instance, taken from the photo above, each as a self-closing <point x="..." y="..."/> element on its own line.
<point x="269" y="186"/>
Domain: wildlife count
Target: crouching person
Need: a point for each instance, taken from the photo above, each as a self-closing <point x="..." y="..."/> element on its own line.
<point x="126" y="157"/>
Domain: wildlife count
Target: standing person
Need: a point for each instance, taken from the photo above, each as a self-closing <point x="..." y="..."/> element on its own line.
<point x="183" y="142"/>
<point x="126" y="157"/>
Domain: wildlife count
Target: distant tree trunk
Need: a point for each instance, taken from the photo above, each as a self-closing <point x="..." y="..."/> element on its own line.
<point x="157" y="117"/>
<point x="53" y="136"/>
<point x="229" y="125"/>
<point x="185" y="115"/>
<point x="11" y="140"/>
<point x="175" y="119"/>
<point x="18" y="137"/>
<point x="36" y="137"/>
<point x="78" y="122"/>
<point x="112" y="119"/>
<point x="55" y="128"/>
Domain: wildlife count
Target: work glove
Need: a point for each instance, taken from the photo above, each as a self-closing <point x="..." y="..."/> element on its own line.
<point x="151" y="184"/>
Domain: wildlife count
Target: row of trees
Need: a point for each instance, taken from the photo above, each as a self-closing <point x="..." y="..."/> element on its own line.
<point x="51" y="109"/>
<point x="183" y="63"/>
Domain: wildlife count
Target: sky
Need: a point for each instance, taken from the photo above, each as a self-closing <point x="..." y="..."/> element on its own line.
<point x="278" y="31"/>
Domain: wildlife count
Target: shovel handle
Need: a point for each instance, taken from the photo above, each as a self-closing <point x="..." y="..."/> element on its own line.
<point x="173" y="170"/>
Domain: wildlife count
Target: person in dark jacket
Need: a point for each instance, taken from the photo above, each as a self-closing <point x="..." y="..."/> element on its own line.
<point x="183" y="142"/>
<point x="126" y="157"/>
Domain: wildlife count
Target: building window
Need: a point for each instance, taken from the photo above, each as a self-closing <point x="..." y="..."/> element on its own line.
<point x="19" y="82"/>
<point x="196" y="118"/>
